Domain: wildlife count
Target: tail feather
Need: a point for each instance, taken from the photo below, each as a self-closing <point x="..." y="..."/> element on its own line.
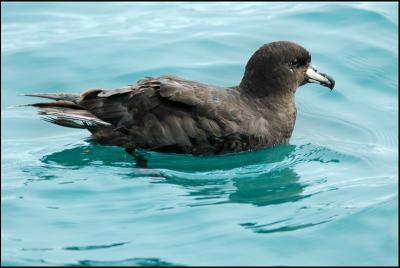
<point x="72" y="97"/>
<point x="66" y="104"/>
<point x="71" y="118"/>
<point x="66" y="111"/>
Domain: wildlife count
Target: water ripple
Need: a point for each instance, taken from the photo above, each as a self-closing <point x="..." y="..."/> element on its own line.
<point x="337" y="182"/>
<point x="92" y="247"/>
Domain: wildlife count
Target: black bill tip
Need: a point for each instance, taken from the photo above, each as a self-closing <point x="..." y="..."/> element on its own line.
<point x="331" y="83"/>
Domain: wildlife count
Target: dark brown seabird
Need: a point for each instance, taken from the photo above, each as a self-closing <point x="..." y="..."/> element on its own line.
<point x="171" y="114"/>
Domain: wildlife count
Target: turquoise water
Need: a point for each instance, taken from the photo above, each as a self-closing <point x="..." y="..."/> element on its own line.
<point x="328" y="198"/>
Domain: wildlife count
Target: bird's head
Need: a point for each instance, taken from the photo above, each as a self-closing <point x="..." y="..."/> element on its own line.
<point x="281" y="67"/>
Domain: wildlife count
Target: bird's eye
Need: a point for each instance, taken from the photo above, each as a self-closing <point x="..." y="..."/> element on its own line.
<point x="295" y="62"/>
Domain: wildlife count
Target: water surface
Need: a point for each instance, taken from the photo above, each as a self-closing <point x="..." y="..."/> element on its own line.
<point x="328" y="198"/>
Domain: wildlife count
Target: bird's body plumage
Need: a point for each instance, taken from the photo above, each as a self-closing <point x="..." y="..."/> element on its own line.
<point x="170" y="114"/>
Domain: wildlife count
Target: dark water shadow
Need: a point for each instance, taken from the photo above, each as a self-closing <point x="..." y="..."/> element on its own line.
<point x="94" y="247"/>
<point x="258" y="187"/>
<point x="89" y="155"/>
<point x="95" y="155"/>
<point x="269" y="188"/>
<point x="263" y="177"/>
<point x="92" y="154"/>
<point x="225" y="162"/>
<point x="284" y="226"/>
<point x="270" y="179"/>
<point x="126" y="262"/>
<point x="258" y="178"/>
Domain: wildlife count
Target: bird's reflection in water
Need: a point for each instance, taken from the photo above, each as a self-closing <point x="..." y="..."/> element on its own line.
<point x="260" y="178"/>
<point x="278" y="186"/>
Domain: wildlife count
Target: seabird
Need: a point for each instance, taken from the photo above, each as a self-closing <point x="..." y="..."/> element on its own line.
<point x="172" y="114"/>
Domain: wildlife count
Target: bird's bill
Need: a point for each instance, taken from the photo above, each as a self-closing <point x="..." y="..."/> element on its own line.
<point x="313" y="76"/>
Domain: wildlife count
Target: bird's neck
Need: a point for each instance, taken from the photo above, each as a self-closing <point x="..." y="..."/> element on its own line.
<point x="279" y="110"/>
<point x="277" y="102"/>
<point x="261" y="89"/>
<point x="282" y="106"/>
